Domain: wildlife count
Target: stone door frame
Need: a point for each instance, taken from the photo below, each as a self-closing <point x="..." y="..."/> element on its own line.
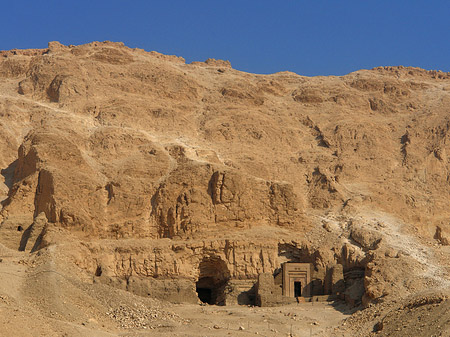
<point x="296" y="272"/>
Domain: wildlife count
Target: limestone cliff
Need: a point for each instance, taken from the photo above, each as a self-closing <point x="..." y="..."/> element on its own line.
<point x="150" y="167"/>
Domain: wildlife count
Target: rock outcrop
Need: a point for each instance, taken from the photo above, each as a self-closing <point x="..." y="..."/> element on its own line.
<point x="150" y="167"/>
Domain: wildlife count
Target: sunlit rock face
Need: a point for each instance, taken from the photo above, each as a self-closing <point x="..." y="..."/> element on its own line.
<point x="152" y="169"/>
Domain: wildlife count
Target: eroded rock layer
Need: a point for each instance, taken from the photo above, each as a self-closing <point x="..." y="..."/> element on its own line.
<point x="153" y="170"/>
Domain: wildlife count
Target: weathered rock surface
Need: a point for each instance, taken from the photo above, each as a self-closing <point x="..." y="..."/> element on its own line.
<point x="152" y="170"/>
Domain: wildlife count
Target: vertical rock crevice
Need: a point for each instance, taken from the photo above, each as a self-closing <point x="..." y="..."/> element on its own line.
<point x="44" y="197"/>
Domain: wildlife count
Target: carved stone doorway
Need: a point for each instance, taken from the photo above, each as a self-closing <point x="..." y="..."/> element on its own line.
<point x="297" y="279"/>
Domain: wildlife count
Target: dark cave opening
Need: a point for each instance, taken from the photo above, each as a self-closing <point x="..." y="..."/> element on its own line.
<point x="204" y="290"/>
<point x="213" y="278"/>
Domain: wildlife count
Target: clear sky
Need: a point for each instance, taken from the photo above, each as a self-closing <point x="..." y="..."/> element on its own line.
<point x="309" y="37"/>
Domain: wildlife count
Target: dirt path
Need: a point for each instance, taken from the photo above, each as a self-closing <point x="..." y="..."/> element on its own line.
<point x="305" y="319"/>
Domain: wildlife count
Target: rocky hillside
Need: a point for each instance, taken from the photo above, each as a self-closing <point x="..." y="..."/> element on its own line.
<point x="145" y="170"/>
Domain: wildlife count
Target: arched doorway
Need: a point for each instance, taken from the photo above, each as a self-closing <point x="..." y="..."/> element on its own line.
<point x="212" y="280"/>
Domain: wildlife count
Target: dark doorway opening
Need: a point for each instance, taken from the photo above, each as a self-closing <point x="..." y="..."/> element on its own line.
<point x="297" y="289"/>
<point x="205" y="295"/>
<point x="213" y="278"/>
<point x="207" y="290"/>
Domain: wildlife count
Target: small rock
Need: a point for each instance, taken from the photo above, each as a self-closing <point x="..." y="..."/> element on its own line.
<point x="241" y="328"/>
<point x="216" y="327"/>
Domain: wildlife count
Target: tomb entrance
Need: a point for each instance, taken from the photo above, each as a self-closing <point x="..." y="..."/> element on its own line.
<point x="297" y="289"/>
<point x="212" y="280"/>
<point x="297" y="279"/>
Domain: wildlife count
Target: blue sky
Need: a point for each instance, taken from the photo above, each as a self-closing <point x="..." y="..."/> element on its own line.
<point x="314" y="37"/>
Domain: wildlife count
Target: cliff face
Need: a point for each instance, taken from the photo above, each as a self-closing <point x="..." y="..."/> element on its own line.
<point x="156" y="165"/>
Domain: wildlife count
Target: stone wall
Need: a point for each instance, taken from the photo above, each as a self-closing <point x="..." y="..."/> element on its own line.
<point x="268" y="294"/>
<point x="240" y="292"/>
<point x="171" y="290"/>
